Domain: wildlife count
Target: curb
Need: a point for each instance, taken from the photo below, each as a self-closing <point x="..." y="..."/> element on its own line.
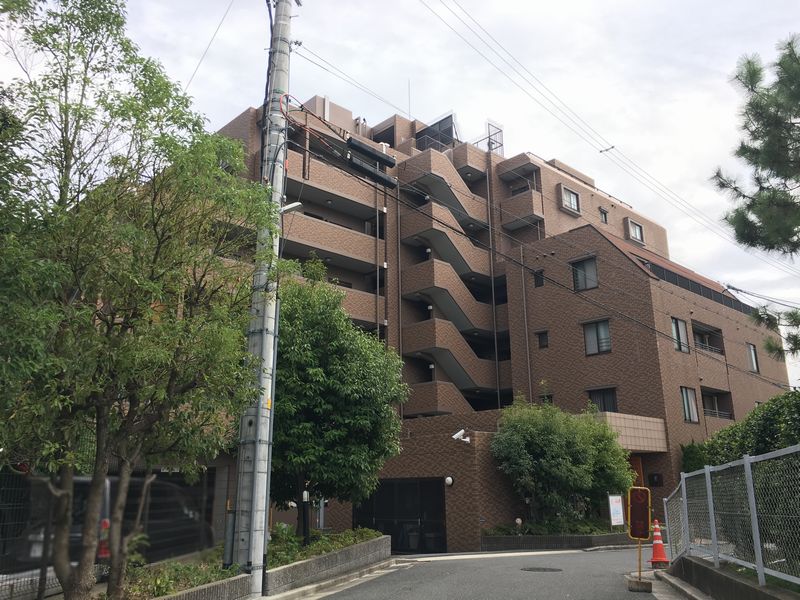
<point x="323" y="585"/>
<point x="616" y="547"/>
<point x="681" y="587"/>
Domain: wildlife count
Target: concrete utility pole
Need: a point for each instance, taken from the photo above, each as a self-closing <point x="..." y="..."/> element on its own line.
<point x="255" y="441"/>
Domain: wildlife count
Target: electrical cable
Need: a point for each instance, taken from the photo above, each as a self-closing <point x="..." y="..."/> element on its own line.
<point x="625" y="163"/>
<point x="511" y="259"/>
<point x="211" y="41"/>
<point x="630" y="268"/>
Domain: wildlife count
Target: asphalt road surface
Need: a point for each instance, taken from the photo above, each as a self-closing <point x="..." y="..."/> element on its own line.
<point x="552" y="575"/>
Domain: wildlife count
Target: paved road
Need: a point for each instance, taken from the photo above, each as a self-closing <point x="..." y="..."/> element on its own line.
<point x="577" y="575"/>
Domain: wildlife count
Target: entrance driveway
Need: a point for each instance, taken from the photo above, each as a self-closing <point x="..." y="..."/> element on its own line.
<point x="550" y="575"/>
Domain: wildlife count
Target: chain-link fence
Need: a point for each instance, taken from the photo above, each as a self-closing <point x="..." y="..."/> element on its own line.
<point x="176" y="520"/>
<point x="746" y="512"/>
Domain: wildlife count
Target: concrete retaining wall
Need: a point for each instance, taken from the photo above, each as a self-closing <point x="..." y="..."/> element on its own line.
<point x="233" y="588"/>
<point x="328" y="566"/>
<point x="495" y="543"/>
<point x="722" y="584"/>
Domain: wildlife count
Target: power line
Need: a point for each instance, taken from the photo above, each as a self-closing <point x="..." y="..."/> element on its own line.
<point x="622" y="161"/>
<point x="630" y="268"/>
<point x="511" y="259"/>
<point x="211" y="41"/>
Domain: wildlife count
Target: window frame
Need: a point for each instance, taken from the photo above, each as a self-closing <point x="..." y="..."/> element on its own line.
<point x="632" y="225"/>
<point x="689" y="402"/>
<point x="752" y="354"/>
<point x="538" y="278"/>
<point x="601" y="406"/>
<point x="603" y="216"/>
<point x="546" y="338"/>
<point x="681" y="345"/>
<point x="574" y="267"/>
<point x="575" y="211"/>
<point x="599" y="348"/>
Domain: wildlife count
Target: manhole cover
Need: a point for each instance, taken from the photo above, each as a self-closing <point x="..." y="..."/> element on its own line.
<point x="541" y="569"/>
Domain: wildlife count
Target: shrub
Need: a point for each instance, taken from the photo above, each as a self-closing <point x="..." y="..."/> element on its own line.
<point x="562" y="464"/>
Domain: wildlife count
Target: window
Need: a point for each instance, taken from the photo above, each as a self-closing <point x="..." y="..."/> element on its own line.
<point x="751" y="352"/>
<point x="689" y="398"/>
<point x="544" y="340"/>
<point x="584" y="274"/>
<point x="636" y="232"/>
<point x="538" y="278"/>
<point x="603" y="215"/>
<point x="679" y="335"/>
<point x="597" y="337"/>
<point x="605" y="400"/>
<point x="570" y="200"/>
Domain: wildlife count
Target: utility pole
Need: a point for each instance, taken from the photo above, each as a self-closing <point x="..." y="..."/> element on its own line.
<point x="255" y="438"/>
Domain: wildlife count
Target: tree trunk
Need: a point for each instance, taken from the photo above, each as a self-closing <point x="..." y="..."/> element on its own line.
<point x="119" y="551"/>
<point x="301" y="486"/>
<point x="62" y="520"/>
<point x="78" y="586"/>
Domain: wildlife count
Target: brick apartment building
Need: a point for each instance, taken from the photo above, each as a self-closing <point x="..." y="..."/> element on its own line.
<point x="498" y="277"/>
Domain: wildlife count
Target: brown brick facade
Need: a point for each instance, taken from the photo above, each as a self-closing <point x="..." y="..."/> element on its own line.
<point x="442" y="268"/>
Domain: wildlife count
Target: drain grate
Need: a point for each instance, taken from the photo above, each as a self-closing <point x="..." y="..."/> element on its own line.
<point x="541" y="569"/>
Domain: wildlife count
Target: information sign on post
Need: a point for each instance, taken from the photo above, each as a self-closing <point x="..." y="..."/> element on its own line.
<point x="639" y="513"/>
<point x="616" y="510"/>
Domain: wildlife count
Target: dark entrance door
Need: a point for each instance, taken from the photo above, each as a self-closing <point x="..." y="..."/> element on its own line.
<point x="410" y="510"/>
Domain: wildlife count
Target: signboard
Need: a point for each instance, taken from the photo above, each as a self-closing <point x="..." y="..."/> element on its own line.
<point x="639" y="513"/>
<point x="615" y="508"/>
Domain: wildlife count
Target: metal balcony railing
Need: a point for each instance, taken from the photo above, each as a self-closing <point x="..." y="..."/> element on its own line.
<point x="708" y="348"/>
<point x="719" y="414"/>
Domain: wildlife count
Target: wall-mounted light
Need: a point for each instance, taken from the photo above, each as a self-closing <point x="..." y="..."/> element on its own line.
<point x="431" y="366"/>
<point x="448" y="481"/>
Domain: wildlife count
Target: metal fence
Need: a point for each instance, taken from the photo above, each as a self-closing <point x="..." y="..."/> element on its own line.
<point x="176" y="520"/>
<point x="745" y="512"/>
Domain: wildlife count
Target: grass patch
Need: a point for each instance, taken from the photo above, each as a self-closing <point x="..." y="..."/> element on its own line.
<point x="555" y="527"/>
<point x="286" y="548"/>
<point x="751" y="574"/>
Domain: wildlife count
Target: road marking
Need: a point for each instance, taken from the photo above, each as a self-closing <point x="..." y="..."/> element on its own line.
<point x="493" y="555"/>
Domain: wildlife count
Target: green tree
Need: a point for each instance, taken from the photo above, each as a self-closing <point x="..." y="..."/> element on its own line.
<point x="767" y="212"/>
<point x="124" y="316"/>
<point x="770" y="426"/>
<point x="562" y="464"/>
<point x="338" y="388"/>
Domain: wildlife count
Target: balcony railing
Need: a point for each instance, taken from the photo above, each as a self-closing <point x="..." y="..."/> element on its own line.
<point x="708" y="348"/>
<point x="719" y="414"/>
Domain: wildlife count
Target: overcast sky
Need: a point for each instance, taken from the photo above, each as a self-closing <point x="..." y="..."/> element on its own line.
<point x="653" y="78"/>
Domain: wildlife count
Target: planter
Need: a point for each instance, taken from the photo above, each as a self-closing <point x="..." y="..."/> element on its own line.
<point x="495" y="543"/>
<point x="233" y="588"/>
<point x="328" y="566"/>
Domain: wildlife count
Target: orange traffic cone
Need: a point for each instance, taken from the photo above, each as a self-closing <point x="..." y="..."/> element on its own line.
<point x="659" y="560"/>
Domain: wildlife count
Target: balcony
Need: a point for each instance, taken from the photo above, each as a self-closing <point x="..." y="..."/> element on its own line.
<point x="718" y="414"/>
<point x="435" y="398"/>
<point x="304" y="234"/>
<point x="432" y="172"/>
<point x="361" y="306"/>
<point x="441" y="341"/>
<point x="469" y="161"/>
<point x="521" y="209"/>
<point x="327" y="184"/>
<point x="637" y="433"/>
<point x="435" y="226"/>
<point x="436" y="280"/>
<point x="521" y="166"/>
